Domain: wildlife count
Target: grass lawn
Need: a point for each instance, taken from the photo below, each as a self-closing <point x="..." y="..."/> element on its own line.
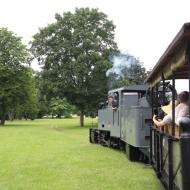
<point x="53" y="154"/>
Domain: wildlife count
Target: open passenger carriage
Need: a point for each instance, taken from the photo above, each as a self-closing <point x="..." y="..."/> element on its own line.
<point x="168" y="149"/>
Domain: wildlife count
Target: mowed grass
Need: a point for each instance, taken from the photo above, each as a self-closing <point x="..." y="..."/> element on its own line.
<point x="53" y="154"/>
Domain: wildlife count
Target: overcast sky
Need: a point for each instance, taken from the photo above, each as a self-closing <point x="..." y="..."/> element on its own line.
<point x="143" y="28"/>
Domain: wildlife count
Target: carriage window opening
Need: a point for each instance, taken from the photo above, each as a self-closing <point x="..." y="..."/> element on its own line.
<point x="181" y="110"/>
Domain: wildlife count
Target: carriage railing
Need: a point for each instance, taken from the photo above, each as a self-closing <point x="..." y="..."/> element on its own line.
<point x="162" y="154"/>
<point x="167" y="130"/>
<point x="161" y="159"/>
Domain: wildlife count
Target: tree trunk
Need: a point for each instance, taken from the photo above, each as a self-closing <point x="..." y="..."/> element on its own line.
<point x="11" y="116"/>
<point x="82" y="118"/>
<point x="59" y="116"/>
<point x="25" y="117"/>
<point x="2" y="120"/>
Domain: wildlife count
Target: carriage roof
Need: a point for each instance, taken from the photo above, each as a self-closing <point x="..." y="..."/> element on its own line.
<point x="133" y="88"/>
<point x="173" y="59"/>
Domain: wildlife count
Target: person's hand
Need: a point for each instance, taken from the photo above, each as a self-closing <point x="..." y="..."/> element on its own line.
<point x="154" y="117"/>
<point x="114" y="108"/>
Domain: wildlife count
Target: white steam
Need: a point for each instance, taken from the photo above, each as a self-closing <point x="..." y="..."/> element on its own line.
<point x="119" y="62"/>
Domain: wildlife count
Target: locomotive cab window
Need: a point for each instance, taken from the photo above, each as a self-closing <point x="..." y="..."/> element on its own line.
<point x="113" y="100"/>
<point x="130" y="99"/>
<point x="115" y="103"/>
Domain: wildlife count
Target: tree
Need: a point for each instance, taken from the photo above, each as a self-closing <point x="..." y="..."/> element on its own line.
<point x="74" y="52"/>
<point x="48" y="104"/>
<point x="14" y="74"/>
<point x="127" y="70"/>
<point x="29" y="104"/>
<point x="61" y="107"/>
<point x="43" y="102"/>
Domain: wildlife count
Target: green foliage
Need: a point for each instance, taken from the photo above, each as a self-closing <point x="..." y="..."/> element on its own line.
<point x="43" y="101"/>
<point x="127" y="70"/>
<point x="13" y="54"/>
<point x="56" y="155"/>
<point x="49" y="105"/>
<point x="75" y="52"/>
<point x="61" y="107"/>
<point x="17" y="90"/>
<point x="29" y="104"/>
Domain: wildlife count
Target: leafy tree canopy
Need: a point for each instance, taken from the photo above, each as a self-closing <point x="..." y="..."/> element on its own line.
<point x="74" y="52"/>
<point x="15" y="75"/>
<point x="61" y="107"/>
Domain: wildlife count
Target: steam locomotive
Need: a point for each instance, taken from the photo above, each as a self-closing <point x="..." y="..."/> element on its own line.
<point x="126" y="127"/>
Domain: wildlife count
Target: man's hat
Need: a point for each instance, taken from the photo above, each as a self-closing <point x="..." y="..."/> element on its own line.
<point x="168" y="109"/>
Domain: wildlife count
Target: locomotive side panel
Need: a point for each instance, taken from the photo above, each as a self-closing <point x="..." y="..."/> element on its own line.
<point x="135" y="119"/>
<point x="105" y="119"/>
<point x="127" y="100"/>
<point x="136" y="126"/>
<point x="115" y="128"/>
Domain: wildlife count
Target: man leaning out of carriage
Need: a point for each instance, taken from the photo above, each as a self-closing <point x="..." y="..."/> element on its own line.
<point x="181" y="110"/>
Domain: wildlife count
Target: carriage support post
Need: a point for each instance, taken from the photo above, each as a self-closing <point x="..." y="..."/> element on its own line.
<point x="151" y="130"/>
<point x="170" y="139"/>
<point x="185" y="151"/>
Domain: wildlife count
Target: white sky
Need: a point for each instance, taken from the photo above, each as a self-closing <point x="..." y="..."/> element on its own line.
<point x="143" y="28"/>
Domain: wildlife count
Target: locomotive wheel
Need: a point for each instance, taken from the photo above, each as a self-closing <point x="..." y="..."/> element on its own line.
<point x="91" y="136"/>
<point x="132" y="152"/>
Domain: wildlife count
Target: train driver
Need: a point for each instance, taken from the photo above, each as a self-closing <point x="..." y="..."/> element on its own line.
<point x="112" y="102"/>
